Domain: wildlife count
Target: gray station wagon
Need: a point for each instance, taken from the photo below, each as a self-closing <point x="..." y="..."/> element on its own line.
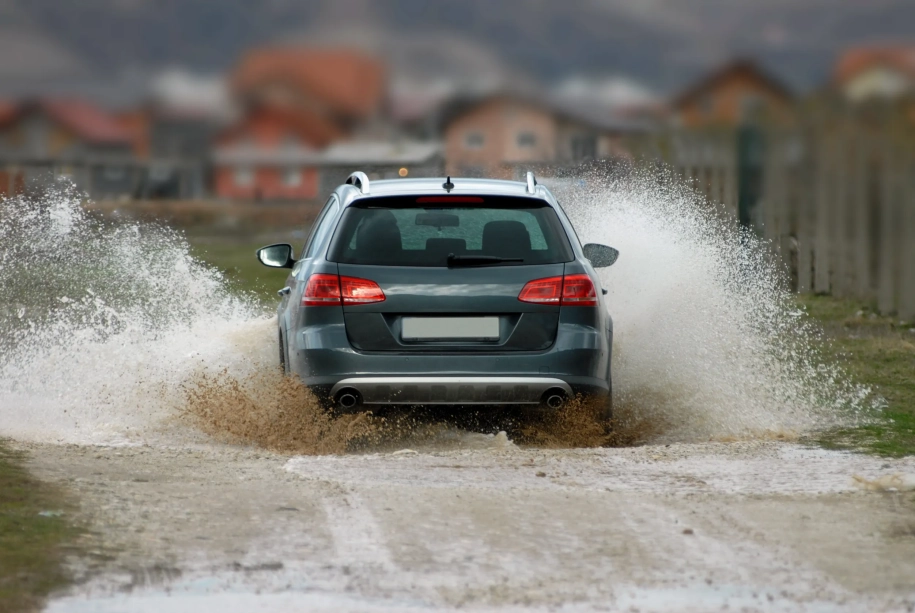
<point x="445" y="292"/>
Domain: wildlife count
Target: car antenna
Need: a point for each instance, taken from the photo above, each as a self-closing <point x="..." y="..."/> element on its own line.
<point x="448" y="185"/>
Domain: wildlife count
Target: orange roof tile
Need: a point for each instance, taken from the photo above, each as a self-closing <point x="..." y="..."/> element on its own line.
<point x="88" y="121"/>
<point x="347" y="81"/>
<point x="739" y="66"/>
<point x="857" y="59"/>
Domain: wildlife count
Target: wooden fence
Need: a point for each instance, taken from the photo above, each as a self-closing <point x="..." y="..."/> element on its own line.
<point x="833" y="192"/>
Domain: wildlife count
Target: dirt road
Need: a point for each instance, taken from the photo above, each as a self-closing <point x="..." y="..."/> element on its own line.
<point x="475" y="523"/>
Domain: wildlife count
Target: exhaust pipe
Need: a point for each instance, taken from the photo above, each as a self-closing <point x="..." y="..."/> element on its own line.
<point x="347" y="399"/>
<point x="554" y="398"/>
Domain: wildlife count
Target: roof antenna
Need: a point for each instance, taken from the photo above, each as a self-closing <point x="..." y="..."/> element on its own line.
<point x="448" y="185"/>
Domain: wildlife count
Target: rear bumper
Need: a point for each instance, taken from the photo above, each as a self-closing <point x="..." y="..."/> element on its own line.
<point x="450" y="390"/>
<point x="322" y="357"/>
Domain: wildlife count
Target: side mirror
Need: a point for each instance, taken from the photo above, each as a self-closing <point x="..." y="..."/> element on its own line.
<point x="276" y="256"/>
<point x="600" y="256"/>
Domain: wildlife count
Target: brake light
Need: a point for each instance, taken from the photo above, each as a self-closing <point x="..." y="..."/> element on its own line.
<point x="571" y="290"/>
<point x="578" y="290"/>
<point x="333" y="290"/>
<point x="360" y="291"/>
<point x="322" y="290"/>
<point x="542" y="291"/>
<point x="449" y="200"/>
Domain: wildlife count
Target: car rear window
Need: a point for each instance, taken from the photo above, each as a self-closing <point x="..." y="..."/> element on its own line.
<point x="425" y="230"/>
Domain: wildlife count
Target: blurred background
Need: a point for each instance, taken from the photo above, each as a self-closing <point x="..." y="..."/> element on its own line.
<point x="794" y="117"/>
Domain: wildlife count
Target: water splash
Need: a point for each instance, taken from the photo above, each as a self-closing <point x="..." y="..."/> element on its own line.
<point x="709" y="341"/>
<point x="114" y="333"/>
<point x="100" y="323"/>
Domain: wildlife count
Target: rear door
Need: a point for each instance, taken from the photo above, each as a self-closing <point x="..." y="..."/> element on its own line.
<point x="452" y="270"/>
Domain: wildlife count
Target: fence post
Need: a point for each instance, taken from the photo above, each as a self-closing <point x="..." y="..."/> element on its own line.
<point x="822" y="247"/>
<point x="770" y="196"/>
<point x="862" y="205"/>
<point x="891" y="216"/>
<point x="805" y="177"/>
<point x="842" y="155"/>
<point x="730" y="173"/>
<point x="907" y="205"/>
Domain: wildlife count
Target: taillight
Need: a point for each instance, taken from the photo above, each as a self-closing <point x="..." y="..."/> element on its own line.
<point x="322" y="290"/>
<point x="333" y="290"/>
<point x="578" y="290"/>
<point x="572" y="290"/>
<point x="542" y="291"/>
<point x="360" y="291"/>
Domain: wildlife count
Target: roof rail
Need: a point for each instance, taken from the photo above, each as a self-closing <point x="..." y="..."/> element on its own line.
<point x="359" y="179"/>
<point x="531" y="182"/>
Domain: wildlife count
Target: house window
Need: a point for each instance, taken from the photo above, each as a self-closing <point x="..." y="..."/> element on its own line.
<point x="244" y="176"/>
<point x="292" y="177"/>
<point x="474" y="140"/>
<point x="526" y="140"/>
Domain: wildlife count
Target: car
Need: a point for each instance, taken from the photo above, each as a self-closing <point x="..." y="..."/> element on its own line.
<point x="460" y="292"/>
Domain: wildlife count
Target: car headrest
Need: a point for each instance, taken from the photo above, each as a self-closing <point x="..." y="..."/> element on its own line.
<point x="506" y="239"/>
<point x="378" y="234"/>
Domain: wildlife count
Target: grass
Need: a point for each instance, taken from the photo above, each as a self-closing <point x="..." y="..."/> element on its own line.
<point x="879" y="352"/>
<point x="34" y="532"/>
<point x="236" y="260"/>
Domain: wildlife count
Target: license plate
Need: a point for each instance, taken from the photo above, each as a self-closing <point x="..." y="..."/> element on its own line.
<point x="450" y="328"/>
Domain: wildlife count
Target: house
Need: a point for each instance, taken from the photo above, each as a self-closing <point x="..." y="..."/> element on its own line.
<point x="292" y="103"/>
<point x="864" y="73"/>
<point x="731" y="95"/>
<point x="503" y="134"/>
<point x="343" y="87"/>
<point x="70" y="137"/>
<point x="270" y="154"/>
<point x="302" y="173"/>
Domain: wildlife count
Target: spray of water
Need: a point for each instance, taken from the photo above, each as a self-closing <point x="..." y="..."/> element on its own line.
<point x="709" y="341"/>
<point x="101" y="323"/>
<point x="114" y="333"/>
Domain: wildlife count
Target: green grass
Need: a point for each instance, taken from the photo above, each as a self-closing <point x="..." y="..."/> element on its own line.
<point x="879" y="352"/>
<point x="236" y="260"/>
<point x="34" y="532"/>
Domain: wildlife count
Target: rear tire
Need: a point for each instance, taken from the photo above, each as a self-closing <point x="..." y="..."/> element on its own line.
<point x="282" y="347"/>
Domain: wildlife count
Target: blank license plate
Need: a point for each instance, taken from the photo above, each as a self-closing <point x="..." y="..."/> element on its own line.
<point x="450" y="328"/>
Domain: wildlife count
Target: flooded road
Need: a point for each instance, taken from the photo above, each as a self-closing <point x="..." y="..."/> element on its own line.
<point x="142" y="383"/>
<point x="483" y="525"/>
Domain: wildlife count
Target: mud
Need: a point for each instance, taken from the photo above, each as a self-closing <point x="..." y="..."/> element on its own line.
<point x="474" y="522"/>
<point x="278" y="413"/>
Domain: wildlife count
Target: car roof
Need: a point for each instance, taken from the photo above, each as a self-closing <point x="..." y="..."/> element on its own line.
<point x="434" y="186"/>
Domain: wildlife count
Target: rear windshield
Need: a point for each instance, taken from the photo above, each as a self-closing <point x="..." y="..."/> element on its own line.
<point x="424" y="231"/>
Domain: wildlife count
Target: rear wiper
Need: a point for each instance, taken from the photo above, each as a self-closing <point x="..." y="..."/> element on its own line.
<point x="479" y="260"/>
